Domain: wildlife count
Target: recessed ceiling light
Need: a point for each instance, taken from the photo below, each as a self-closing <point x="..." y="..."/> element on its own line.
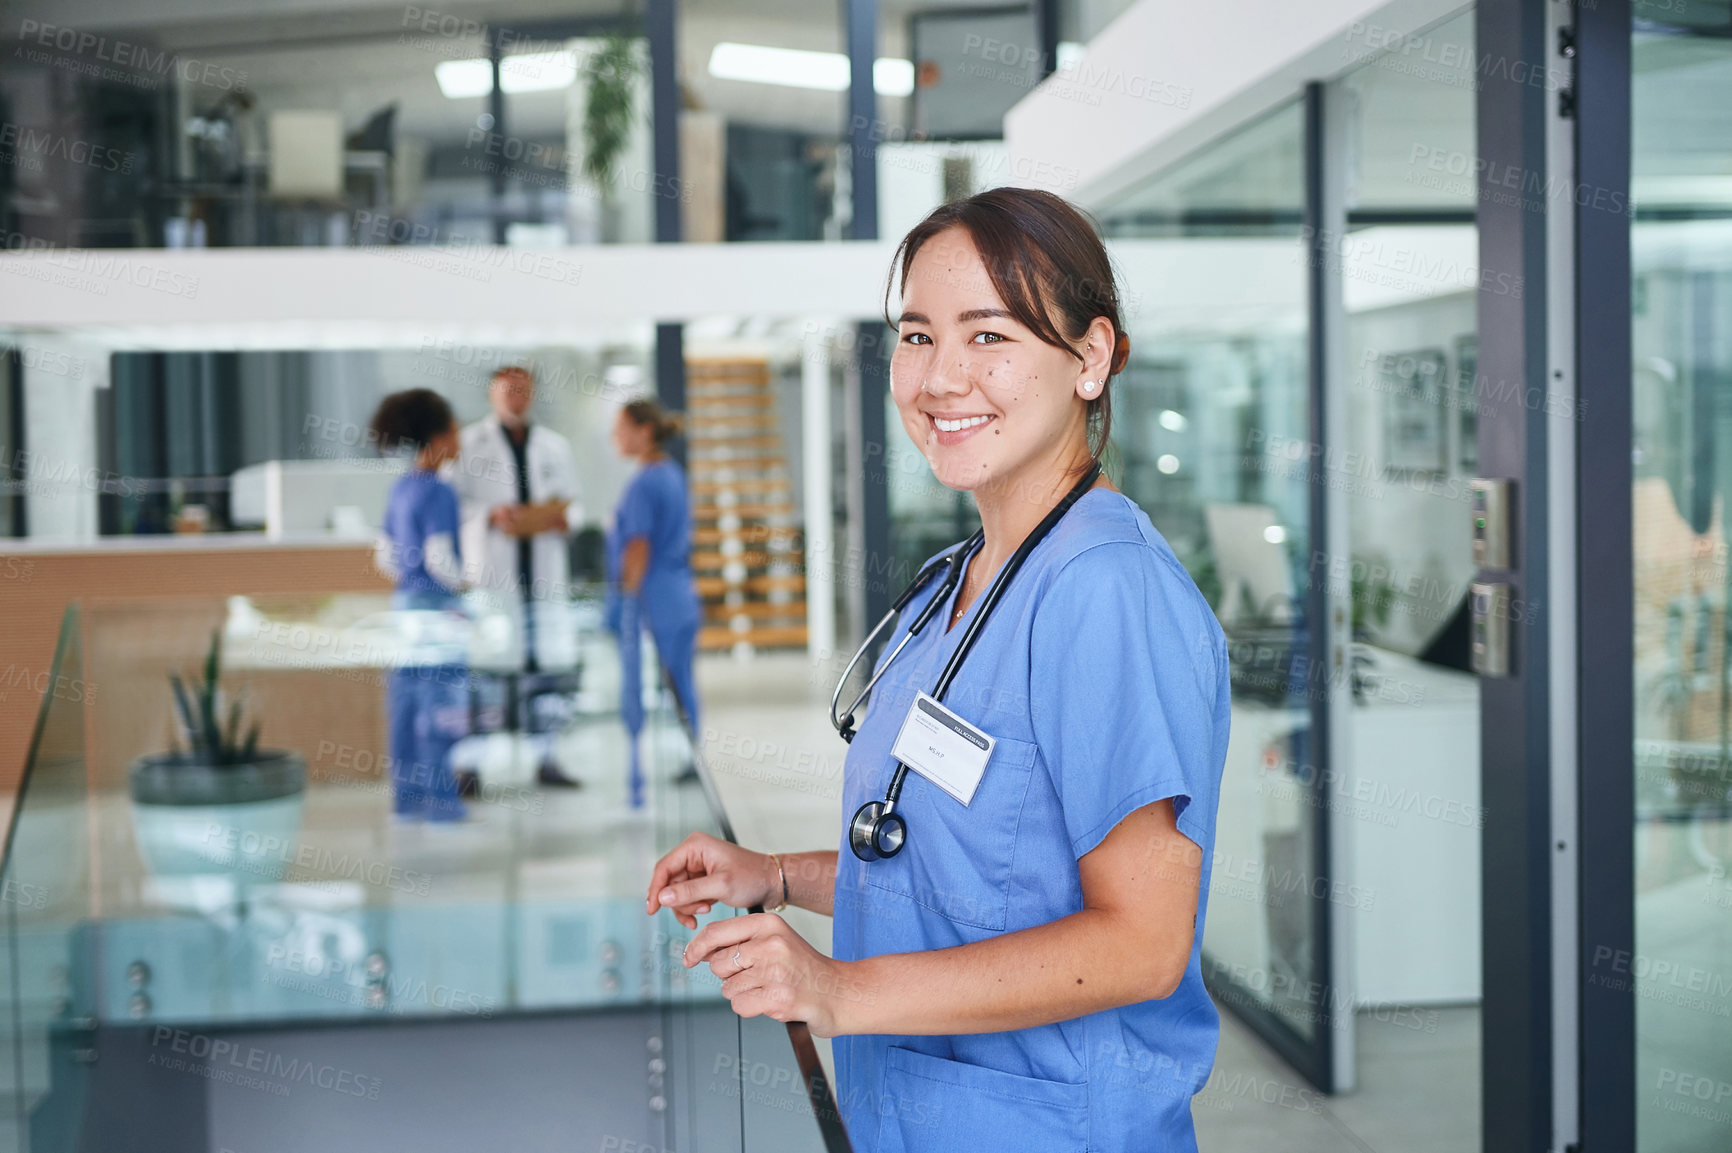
<point x="799" y="68"/>
<point x="528" y="72"/>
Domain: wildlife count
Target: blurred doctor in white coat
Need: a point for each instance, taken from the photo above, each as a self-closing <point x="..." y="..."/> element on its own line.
<point x="517" y="484"/>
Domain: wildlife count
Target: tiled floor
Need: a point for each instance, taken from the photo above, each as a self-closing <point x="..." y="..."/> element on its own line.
<point x="777" y="764"/>
<point x="1418" y="1093"/>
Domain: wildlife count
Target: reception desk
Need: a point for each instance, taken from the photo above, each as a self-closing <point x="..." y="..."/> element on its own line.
<point x="38" y="581"/>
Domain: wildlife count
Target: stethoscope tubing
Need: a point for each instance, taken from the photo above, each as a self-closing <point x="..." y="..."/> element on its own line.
<point x="951" y="564"/>
<point x="994" y="593"/>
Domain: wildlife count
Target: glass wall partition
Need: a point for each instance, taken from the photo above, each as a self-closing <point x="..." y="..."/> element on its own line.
<point x="155" y="125"/>
<point x="150" y="441"/>
<point x="1681" y="395"/>
<point x="277" y="442"/>
<point x="1212" y="435"/>
<point x="135" y="129"/>
<point x="1405" y="789"/>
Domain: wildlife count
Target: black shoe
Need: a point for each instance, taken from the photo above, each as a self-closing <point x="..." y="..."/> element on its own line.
<point x="468" y="784"/>
<point x="548" y="774"/>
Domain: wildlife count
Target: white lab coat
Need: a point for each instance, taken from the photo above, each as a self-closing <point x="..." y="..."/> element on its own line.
<point x="485" y="476"/>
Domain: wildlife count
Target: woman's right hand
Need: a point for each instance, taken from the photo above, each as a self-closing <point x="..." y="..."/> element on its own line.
<point x="703" y="870"/>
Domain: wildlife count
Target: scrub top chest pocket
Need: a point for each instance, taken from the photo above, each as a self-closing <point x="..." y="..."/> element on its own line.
<point x="959" y="858"/>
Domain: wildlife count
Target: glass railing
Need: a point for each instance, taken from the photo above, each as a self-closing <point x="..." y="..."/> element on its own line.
<point x="278" y="960"/>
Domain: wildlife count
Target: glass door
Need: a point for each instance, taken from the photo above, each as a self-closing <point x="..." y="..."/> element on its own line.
<point x="1213" y="432"/>
<point x="1404" y="789"/>
<point x="1680" y="968"/>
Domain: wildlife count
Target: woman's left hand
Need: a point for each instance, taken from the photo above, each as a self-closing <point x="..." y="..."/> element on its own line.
<point x="769" y="970"/>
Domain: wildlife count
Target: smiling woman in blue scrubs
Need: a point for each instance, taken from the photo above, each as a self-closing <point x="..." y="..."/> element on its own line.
<point x="1026" y="971"/>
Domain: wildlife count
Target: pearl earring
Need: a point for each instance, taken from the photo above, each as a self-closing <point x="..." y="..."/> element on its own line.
<point x="1089" y="386"/>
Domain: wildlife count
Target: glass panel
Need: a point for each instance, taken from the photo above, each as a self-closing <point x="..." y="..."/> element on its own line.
<point x="1410" y="141"/>
<point x="45" y="901"/>
<point x="382" y="127"/>
<point x="764" y="151"/>
<point x="1681" y="258"/>
<point x="1250" y="183"/>
<point x="306" y="408"/>
<point x="11" y="442"/>
<point x="1211" y="426"/>
<point x="1405" y="785"/>
<point x="273" y="952"/>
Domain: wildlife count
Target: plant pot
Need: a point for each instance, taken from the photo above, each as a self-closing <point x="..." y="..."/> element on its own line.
<point x="193" y="818"/>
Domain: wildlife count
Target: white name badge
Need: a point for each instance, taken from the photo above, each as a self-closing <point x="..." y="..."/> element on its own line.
<point x="943" y="748"/>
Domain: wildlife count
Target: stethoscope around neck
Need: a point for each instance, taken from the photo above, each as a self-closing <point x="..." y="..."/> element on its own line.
<point x="877" y="829"/>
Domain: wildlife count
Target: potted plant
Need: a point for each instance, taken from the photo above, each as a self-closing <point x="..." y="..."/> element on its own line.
<point x="610" y="118"/>
<point x="221" y="805"/>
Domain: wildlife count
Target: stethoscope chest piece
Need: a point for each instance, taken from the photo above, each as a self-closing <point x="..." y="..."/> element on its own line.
<point x="877" y="832"/>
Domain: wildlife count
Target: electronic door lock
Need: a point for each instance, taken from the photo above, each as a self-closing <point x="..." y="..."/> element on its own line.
<point x="1490" y="604"/>
<point x="1491" y="543"/>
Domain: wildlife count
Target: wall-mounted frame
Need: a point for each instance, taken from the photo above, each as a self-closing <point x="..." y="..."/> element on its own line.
<point x="1465" y="404"/>
<point x="1415" y="428"/>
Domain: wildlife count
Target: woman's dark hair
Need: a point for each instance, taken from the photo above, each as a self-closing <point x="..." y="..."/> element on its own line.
<point x="1046" y="262"/>
<point x="411" y="418"/>
<point x="666" y="424"/>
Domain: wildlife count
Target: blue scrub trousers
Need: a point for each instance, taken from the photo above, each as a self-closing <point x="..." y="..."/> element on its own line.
<point x="429" y="713"/>
<point x="676" y="639"/>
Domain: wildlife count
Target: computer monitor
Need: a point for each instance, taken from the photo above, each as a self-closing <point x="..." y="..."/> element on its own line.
<point x="1250" y="547"/>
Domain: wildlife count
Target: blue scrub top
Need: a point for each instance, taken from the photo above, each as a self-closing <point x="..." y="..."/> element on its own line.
<point x="655" y="506"/>
<point x="420" y="506"/>
<point x="1103" y="674"/>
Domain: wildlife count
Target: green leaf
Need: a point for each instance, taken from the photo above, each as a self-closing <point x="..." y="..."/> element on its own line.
<point x="608" y="111"/>
<point x="184" y="704"/>
<point x="231" y="743"/>
<point x="212" y="669"/>
<point x="246" y="757"/>
<point x="207" y="705"/>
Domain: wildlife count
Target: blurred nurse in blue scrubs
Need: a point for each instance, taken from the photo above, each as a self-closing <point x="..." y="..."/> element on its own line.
<point x="649" y="570"/>
<point x="418" y="550"/>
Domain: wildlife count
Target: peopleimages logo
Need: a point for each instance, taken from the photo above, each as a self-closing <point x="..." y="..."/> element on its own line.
<point x="219" y="1059"/>
<point x="138" y="59"/>
<point x="230" y="845"/>
<point x="57" y="147"/>
<point x="99" y="264"/>
<point x="48" y="472"/>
